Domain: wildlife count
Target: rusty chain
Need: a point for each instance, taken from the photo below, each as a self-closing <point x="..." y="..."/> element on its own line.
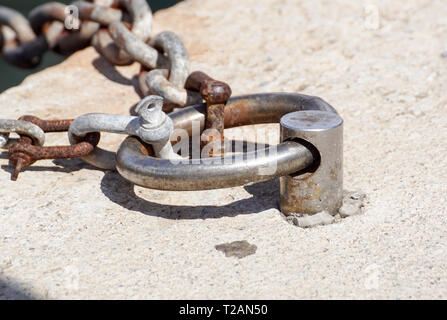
<point x="120" y="31"/>
<point x="308" y="160"/>
<point x="23" y="153"/>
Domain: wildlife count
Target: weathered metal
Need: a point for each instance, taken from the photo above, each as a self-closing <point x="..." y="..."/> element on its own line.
<point x="239" y="111"/>
<point x="8" y="126"/>
<point x="134" y="163"/>
<point x="170" y="84"/>
<point x="46" y="13"/>
<point x="208" y="173"/>
<point x="320" y="186"/>
<point x="48" y="125"/>
<point x="27" y="49"/>
<point x="71" y="41"/>
<point x="23" y="153"/>
<point x="141" y="24"/>
<point x="152" y="126"/>
<point x="141" y="17"/>
<point x="103" y="43"/>
<point x="136" y="48"/>
<point x="102" y="15"/>
<point x="17" y="22"/>
<point x="174" y="96"/>
<point x="216" y="94"/>
<point x="308" y="159"/>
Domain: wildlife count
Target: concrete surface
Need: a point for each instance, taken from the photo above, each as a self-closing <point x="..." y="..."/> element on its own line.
<point x="68" y="230"/>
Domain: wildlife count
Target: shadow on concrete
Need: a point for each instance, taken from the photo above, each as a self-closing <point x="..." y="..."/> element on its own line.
<point x="121" y="192"/>
<point x="11" y="290"/>
<point x="60" y="165"/>
<point x="109" y="70"/>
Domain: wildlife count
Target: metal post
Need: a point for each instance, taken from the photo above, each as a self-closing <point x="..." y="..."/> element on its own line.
<point x="319" y="187"/>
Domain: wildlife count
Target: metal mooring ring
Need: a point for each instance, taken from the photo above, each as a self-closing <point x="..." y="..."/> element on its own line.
<point x="297" y="159"/>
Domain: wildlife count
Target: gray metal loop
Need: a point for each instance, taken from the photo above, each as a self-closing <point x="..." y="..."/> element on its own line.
<point x="29" y="129"/>
<point x="141" y="15"/>
<point x="158" y="84"/>
<point x="137" y="48"/>
<point x="30" y="49"/>
<point x="152" y="57"/>
<point x="209" y="173"/>
<point x="48" y="12"/>
<point x="239" y="111"/>
<point x="100" y="14"/>
<point x="169" y="43"/>
<point x="17" y="22"/>
<point x="172" y="89"/>
<point x="290" y="157"/>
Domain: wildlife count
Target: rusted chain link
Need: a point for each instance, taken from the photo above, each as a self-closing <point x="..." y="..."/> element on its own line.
<point x="216" y="94"/>
<point x="311" y="130"/>
<point x="120" y="31"/>
<point x="23" y="154"/>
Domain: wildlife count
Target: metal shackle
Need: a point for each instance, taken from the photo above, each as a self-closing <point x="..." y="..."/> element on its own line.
<point x="318" y="187"/>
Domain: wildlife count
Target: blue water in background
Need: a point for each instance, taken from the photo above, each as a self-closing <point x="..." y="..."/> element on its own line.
<point x="11" y="76"/>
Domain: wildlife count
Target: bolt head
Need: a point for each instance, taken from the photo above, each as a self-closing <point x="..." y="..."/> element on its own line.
<point x="150" y="111"/>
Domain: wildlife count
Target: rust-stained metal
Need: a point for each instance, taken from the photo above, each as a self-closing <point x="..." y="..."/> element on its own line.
<point x="18" y="159"/>
<point x="48" y="125"/>
<point x="320" y="186"/>
<point x="26" y="128"/>
<point x="23" y="153"/>
<point x="216" y="94"/>
<point x="101" y="14"/>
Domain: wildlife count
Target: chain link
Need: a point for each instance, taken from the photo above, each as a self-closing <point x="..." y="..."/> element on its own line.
<point x="20" y="127"/>
<point x="311" y="130"/>
<point x="120" y="31"/>
<point x="23" y="153"/>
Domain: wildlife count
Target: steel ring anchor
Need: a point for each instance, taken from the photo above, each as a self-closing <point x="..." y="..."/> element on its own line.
<point x="315" y="126"/>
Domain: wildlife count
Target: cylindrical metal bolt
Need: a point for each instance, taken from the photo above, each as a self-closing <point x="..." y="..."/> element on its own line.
<point x="319" y="187"/>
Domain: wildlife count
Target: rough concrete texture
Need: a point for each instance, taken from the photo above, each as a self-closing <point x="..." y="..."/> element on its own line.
<point x="68" y="230"/>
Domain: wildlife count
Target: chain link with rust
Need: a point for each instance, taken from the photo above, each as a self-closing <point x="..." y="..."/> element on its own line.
<point x="311" y="130"/>
<point x="120" y="31"/>
<point x="23" y="153"/>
